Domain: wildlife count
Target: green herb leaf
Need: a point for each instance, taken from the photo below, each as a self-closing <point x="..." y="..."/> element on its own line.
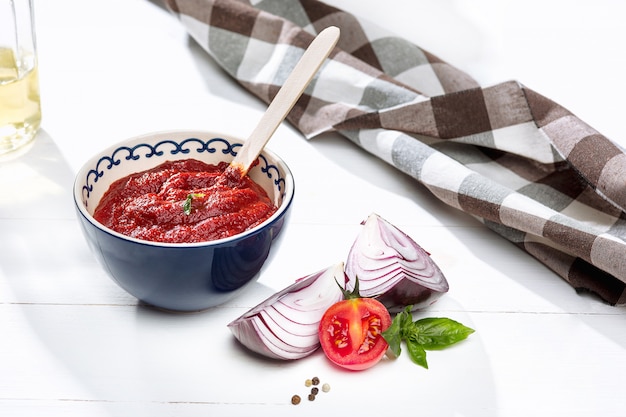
<point x="406" y="321"/>
<point x="417" y="353"/>
<point x="437" y="333"/>
<point x="426" y="334"/>
<point x="188" y="200"/>
<point x="401" y="326"/>
<point x="393" y="337"/>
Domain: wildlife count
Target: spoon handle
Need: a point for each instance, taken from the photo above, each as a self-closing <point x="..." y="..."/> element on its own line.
<point x="286" y="97"/>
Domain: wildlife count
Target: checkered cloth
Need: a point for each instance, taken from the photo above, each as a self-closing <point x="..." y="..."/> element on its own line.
<point x="523" y="165"/>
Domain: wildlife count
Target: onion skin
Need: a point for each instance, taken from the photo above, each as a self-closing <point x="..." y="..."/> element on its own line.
<point x="285" y="325"/>
<point x="393" y="268"/>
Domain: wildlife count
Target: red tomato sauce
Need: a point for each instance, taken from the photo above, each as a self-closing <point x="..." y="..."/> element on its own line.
<point x="184" y="201"/>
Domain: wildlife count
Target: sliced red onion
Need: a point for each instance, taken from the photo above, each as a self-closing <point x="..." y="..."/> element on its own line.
<point x="393" y="268"/>
<point x="285" y="325"/>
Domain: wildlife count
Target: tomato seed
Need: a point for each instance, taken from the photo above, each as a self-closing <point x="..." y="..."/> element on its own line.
<point x="325" y="388"/>
<point x="308" y="383"/>
<point x="295" y="400"/>
<point x="315" y="380"/>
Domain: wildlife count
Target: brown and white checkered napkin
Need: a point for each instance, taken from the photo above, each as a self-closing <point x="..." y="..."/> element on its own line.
<point x="520" y="163"/>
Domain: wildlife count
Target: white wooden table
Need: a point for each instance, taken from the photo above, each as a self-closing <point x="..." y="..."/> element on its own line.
<point x="74" y="344"/>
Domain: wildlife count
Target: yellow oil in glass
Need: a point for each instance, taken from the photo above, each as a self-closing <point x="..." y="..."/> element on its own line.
<point x="20" y="108"/>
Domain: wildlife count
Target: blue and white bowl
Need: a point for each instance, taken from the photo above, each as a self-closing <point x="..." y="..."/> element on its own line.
<point x="180" y="276"/>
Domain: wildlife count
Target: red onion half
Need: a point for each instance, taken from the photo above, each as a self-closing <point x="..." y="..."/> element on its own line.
<point x="285" y="325"/>
<point x="394" y="269"/>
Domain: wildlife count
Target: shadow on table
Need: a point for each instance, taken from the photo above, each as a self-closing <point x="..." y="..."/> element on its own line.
<point x="60" y="304"/>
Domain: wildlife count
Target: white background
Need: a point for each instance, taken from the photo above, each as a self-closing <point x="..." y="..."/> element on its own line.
<point x="74" y="344"/>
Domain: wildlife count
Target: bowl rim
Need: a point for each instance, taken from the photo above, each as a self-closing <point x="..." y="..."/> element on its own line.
<point x="287" y="195"/>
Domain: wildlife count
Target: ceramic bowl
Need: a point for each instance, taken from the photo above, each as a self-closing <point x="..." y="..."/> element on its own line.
<point x="180" y="276"/>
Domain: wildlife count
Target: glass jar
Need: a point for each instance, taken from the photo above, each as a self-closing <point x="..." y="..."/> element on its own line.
<point x="20" y="107"/>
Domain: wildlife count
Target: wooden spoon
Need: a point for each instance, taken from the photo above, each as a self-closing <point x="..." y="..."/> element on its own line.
<point x="285" y="99"/>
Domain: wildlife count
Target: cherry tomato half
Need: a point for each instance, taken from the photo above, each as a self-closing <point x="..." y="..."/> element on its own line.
<point x="350" y="333"/>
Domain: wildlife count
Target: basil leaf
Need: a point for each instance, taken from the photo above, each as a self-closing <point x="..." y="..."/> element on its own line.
<point x="406" y="321"/>
<point x="400" y="328"/>
<point x="417" y="353"/>
<point x="436" y="333"/>
<point x="187" y="205"/>
<point x="188" y="200"/>
<point x="393" y="337"/>
<point x="426" y="334"/>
